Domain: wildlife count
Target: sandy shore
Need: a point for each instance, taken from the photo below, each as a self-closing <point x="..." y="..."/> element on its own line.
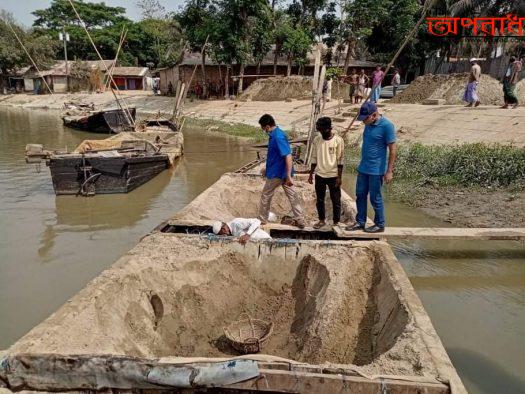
<point x="428" y="124"/>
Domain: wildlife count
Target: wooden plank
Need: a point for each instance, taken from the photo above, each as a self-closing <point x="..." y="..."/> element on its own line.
<point x="54" y="372"/>
<point x="500" y="234"/>
<point x="296" y="382"/>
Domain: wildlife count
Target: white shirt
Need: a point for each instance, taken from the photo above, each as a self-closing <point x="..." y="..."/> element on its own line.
<point x="252" y="227"/>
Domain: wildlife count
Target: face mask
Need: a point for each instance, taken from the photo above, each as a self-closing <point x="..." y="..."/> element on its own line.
<point x="326" y="134"/>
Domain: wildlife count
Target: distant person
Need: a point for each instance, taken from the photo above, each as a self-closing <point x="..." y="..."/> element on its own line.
<point x="378" y="137"/>
<point x="362" y="84"/>
<point x="278" y="172"/>
<point x="377" y="77"/>
<point x="353" y="80"/>
<point x="245" y="229"/>
<point x="510" y="79"/>
<point x="396" y="81"/>
<point x="471" y="94"/>
<point x="327" y="164"/>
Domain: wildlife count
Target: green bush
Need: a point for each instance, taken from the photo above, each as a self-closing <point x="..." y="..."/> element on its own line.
<point x="466" y="165"/>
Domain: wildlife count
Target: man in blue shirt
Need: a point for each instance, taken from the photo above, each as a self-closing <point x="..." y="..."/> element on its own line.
<point x="379" y="135"/>
<point x="279" y="172"/>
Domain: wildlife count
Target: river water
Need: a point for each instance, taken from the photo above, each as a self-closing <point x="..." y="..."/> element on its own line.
<point x="50" y="247"/>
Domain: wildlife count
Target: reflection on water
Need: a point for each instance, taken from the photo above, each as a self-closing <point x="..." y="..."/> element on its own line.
<point x="474" y="292"/>
<point x="50" y="247"/>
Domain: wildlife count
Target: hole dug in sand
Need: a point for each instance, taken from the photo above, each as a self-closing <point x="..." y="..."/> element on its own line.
<point x="321" y="310"/>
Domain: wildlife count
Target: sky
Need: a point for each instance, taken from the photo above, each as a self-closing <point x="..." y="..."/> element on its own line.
<point x="21" y="9"/>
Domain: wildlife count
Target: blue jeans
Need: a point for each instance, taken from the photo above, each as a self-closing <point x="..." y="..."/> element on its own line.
<point x="369" y="184"/>
<point x="376" y="92"/>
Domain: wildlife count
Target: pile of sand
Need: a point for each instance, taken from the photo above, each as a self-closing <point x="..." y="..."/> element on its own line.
<point x="279" y="89"/>
<point x="282" y="88"/>
<point x="450" y="88"/>
<point x="520" y="91"/>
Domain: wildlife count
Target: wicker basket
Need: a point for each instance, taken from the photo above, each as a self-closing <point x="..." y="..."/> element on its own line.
<point x="248" y="335"/>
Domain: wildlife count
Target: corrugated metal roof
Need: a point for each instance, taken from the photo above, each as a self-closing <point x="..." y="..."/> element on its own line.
<point x="194" y="58"/>
<point x="59" y="68"/>
<point x="130" y="71"/>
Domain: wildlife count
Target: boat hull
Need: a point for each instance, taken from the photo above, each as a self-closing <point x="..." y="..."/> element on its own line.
<point x="111" y="121"/>
<point x="117" y="174"/>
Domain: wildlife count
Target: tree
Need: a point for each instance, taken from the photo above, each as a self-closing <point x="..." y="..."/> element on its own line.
<point x="296" y="46"/>
<point x="237" y="20"/>
<point x="151" y="9"/>
<point x="281" y="25"/>
<point x="198" y="20"/>
<point x="12" y="55"/>
<point x="360" y="17"/>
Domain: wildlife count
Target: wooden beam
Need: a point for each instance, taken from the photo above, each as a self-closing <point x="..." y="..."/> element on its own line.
<point x="300" y="382"/>
<point x="55" y="372"/>
<point x="486" y="234"/>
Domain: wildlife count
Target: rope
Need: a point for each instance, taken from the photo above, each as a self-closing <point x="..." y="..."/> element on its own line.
<point x="28" y="55"/>
<point x="123" y="34"/>
<point x="426" y="6"/>
<point x="126" y="112"/>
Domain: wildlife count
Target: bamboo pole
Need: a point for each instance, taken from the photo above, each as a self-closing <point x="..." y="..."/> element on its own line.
<point x="123" y="34"/>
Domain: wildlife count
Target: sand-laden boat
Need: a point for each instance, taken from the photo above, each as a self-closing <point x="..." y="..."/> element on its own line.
<point x="109" y="166"/>
<point x="100" y="121"/>
<point x="345" y="316"/>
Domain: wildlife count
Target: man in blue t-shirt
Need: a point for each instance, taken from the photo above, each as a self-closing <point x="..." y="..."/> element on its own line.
<point x="378" y="137"/>
<point x="279" y="172"/>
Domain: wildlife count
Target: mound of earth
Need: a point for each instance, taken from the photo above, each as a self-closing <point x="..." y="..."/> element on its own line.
<point x="284" y="88"/>
<point x="520" y="91"/>
<point x="449" y="87"/>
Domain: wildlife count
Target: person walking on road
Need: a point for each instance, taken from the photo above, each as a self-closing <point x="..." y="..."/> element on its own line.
<point x="377" y="77"/>
<point x="278" y="172"/>
<point x="378" y="137"/>
<point x="396" y="81"/>
<point x="471" y="94"/>
<point x="510" y="79"/>
<point x="327" y="164"/>
<point x="353" y="80"/>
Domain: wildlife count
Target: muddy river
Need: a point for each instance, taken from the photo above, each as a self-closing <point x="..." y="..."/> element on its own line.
<point x="50" y="247"/>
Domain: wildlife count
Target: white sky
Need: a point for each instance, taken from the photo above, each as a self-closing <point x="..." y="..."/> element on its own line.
<point x="21" y="9"/>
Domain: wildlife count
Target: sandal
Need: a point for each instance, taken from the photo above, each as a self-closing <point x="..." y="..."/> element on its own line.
<point x="319" y="224"/>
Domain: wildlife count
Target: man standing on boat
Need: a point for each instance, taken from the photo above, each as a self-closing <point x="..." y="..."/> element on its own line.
<point x="327" y="164"/>
<point x="278" y="172"/>
<point x="378" y="137"/>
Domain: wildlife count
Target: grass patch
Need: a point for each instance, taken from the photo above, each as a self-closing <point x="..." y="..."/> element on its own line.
<point x="253" y="134"/>
<point x="466" y="165"/>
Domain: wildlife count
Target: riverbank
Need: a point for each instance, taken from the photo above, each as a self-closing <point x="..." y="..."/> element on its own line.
<point x="428" y="124"/>
<point x="471" y="185"/>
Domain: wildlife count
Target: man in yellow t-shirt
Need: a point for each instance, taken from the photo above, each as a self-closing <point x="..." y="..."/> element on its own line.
<point x="327" y="164"/>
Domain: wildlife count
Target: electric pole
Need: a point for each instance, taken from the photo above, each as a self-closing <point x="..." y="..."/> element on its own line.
<point x="63" y="36"/>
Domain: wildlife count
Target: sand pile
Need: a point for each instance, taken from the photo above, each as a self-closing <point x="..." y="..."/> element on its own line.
<point x="282" y="88"/>
<point x="450" y="88"/>
<point x="222" y="201"/>
<point x="520" y="91"/>
<point x="279" y="89"/>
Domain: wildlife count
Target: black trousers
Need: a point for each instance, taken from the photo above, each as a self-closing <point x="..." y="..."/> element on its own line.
<point x="335" y="196"/>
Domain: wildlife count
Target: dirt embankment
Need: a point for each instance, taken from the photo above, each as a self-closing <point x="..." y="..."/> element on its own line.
<point x="449" y="87"/>
<point x="475" y="207"/>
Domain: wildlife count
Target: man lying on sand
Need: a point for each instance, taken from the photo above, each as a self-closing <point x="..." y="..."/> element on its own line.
<point x="243" y="228"/>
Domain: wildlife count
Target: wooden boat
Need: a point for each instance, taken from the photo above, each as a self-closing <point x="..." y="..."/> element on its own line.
<point x="100" y="121"/>
<point x="345" y="316"/>
<point x="102" y="166"/>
